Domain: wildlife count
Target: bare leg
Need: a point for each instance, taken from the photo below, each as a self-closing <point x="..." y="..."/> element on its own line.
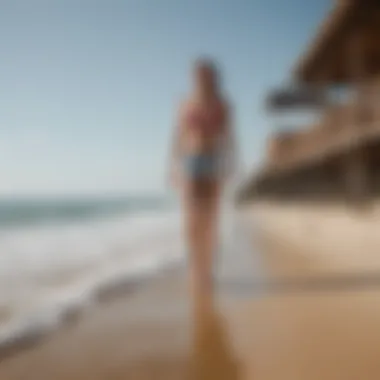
<point x="208" y="236"/>
<point x="191" y="234"/>
<point x="201" y="214"/>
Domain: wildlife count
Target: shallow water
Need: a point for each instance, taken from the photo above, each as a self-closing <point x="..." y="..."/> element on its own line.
<point x="49" y="272"/>
<point x="47" y="269"/>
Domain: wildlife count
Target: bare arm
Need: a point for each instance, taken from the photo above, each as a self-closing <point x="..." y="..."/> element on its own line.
<point x="175" y="147"/>
<point x="231" y="152"/>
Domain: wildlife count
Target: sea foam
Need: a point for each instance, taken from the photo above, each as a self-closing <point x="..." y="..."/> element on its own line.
<point x="48" y="273"/>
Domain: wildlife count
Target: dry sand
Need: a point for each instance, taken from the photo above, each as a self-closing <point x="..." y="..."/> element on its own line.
<point x="337" y="238"/>
<point x="156" y="333"/>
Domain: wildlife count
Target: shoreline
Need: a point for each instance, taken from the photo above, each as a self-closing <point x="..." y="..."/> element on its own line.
<point x="159" y="332"/>
<point x="44" y="326"/>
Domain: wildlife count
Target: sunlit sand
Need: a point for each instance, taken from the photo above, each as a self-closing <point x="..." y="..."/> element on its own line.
<point x="158" y="332"/>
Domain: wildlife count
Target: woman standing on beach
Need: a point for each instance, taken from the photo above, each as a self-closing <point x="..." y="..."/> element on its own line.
<point x="202" y="159"/>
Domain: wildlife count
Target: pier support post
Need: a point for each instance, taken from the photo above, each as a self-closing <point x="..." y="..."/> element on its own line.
<point x="355" y="170"/>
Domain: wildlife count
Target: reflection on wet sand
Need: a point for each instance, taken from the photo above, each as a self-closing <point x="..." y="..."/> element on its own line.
<point x="212" y="356"/>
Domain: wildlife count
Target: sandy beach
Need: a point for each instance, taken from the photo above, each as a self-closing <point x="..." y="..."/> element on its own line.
<point x="292" y="332"/>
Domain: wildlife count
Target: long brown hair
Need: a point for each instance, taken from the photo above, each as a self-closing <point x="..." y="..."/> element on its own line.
<point x="208" y="65"/>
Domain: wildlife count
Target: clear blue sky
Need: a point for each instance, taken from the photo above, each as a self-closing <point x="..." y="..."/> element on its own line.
<point x="88" y="87"/>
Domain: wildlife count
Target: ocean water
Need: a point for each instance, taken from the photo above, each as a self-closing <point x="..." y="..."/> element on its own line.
<point x="58" y="255"/>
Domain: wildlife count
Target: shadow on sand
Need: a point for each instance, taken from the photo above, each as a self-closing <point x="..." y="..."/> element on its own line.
<point x="212" y="356"/>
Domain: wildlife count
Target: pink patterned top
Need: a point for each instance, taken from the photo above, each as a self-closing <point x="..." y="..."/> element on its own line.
<point x="209" y="121"/>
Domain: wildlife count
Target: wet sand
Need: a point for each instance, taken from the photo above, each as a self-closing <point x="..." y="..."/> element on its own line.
<point x="157" y="333"/>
